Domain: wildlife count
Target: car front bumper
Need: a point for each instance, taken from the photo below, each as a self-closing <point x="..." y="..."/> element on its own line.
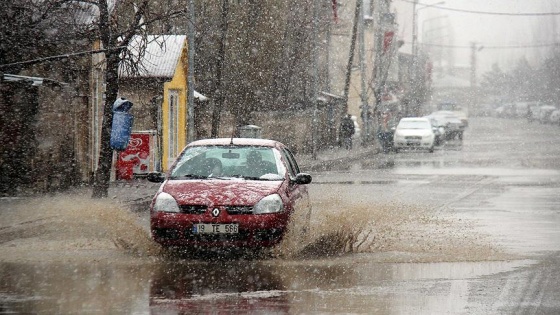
<point x="405" y="144"/>
<point x="255" y="231"/>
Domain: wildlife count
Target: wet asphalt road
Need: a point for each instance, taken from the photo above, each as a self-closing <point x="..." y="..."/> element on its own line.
<point x="502" y="183"/>
<point x="504" y="178"/>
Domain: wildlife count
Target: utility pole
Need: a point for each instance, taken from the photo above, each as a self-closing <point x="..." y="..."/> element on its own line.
<point x="351" y="56"/>
<point x="190" y="75"/>
<point x="220" y="98"/>
<point x="474" y="96"/>
<point x="414" y="28"/>
<point x="377" y="66"/>
<point x="363" y="94"/>
<point x="314" y="83"/>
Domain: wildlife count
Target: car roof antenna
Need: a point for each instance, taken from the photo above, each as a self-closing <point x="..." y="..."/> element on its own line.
<point x="232" y="134"/>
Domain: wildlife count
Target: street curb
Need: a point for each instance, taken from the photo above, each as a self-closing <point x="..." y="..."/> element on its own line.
<point x="330" y="164"/>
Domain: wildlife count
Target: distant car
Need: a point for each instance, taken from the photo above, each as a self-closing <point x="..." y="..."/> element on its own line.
<point x="505" y="111"/>
<point x="544" y="113"/>
<point x="229" y="193"/>
<point x="414" y="133"/>
<point x="555" y="117"/>
<point x="439" y="130"/>
<point x="452" y="125"/>
<point x="456" y="109"/>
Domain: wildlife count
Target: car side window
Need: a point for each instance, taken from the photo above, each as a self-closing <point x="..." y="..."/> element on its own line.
<point x="292" y="165"/>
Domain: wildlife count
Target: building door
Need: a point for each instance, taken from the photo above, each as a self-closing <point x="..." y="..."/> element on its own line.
<point x="173" y="130"/>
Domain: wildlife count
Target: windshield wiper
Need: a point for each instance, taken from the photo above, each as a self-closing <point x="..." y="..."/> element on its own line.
<point x="189" y="176"/>
<point x="246" y="177"/>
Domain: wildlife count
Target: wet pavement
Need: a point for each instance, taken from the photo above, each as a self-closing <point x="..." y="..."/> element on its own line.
<point x="473" y="228"/>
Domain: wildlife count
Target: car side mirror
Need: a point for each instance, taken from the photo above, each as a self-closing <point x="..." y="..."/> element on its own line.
<point x="155" y="177"/>
<point x="303" y="179"/>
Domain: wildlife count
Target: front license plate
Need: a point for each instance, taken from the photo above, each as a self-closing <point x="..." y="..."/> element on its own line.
<point x="204" y="228"/>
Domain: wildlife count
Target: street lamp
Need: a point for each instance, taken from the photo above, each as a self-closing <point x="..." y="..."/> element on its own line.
<point x="417" y="91"/>
<point x="439" y="17"/>
<point x="415" y="23"/>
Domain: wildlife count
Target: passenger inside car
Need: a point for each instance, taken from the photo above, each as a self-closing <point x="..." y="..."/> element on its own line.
<point x="256" y="167"/>
<point x="212" y="167"/>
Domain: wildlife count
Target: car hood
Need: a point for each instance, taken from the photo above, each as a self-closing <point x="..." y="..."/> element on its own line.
<point x="220" y="192"/>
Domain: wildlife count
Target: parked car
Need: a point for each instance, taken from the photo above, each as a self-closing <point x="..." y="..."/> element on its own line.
<point x="555" y="117"/>
<point x="544" y="113"/>
<point x="521" y="109"/>
<point x="505" y="111"/>
<point x="452" y="125"/>
<point x="439" y="130"/>
<point x="414" y="133"/>
<point x="456" y="109"/>
<point x="229" y="193"/>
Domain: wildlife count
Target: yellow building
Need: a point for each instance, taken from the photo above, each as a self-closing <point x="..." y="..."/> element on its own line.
<point x="156" y="83"/>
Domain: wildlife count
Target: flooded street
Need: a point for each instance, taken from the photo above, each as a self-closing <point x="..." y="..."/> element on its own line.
<point x="473" y="228"/>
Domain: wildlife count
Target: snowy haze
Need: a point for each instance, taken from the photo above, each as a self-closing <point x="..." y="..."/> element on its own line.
<point x="487" y="30"/>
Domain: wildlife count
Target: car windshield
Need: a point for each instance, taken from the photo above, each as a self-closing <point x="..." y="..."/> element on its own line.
<point x="449" y="106"/>
<point x="229" y="162"/>
<point x="413" y="124"/>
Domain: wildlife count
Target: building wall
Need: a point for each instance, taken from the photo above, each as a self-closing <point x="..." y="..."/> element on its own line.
<point x="142" y="93"/>
<point x="178" y="84"/>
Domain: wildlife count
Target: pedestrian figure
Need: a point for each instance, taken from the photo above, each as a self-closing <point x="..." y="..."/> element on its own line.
<point x="347" y="131"/>
<point x="529" y="114"/>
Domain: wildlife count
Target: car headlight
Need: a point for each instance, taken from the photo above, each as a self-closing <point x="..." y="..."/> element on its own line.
<point x="166" y="203"/>
<point x="269" y="204"/>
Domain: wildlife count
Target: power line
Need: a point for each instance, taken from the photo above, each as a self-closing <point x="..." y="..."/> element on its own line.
<point x="492" y="47"/>
<point x="485" y="12"/>
<point x="58" y="57"/>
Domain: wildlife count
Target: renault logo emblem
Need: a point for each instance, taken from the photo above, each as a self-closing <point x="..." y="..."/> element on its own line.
<point x="216" y="212"/>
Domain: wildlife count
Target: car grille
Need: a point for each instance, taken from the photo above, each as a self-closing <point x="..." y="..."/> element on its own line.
<point x="241" y="236"/>
<point x="201" y="209"/>
<point x="413" y="138"/>
<point x="239" y="209"/>
<point x="193" y="209"/>
<point x="264" y="235"/>
<point x="454" y="126"/>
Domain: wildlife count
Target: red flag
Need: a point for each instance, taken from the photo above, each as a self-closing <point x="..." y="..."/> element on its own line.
<point x="388" y="41"/>
<point x="335" y="13"/>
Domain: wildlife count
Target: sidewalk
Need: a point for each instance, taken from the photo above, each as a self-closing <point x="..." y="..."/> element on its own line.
<point x="329" y="158"/>
<point x="138" y="193"/>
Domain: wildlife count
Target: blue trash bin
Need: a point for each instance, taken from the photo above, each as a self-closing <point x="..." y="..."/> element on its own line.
<point x="122" y="124"/>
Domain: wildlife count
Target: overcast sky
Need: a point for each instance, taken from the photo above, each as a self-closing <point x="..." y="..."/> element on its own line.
<point x="448" y="27"/>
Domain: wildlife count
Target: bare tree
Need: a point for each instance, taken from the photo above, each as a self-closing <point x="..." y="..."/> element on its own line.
<point x="116" y="27"/>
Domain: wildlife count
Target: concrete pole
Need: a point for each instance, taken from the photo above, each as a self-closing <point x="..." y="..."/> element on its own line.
<point x="314" y="83"/>
<point x="414" y="28"/>
<point x="191" y="130"/>
<point x="363" y="94"/>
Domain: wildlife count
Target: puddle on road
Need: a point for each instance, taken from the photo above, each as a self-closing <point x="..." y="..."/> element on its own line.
<point x="73" y="255"/>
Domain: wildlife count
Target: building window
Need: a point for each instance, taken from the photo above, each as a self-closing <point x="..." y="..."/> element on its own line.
<point x="173" y="129"/>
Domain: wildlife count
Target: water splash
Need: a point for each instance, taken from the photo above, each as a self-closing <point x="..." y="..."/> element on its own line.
<point x="394" y="232"/>
<point x="51" y="226"/>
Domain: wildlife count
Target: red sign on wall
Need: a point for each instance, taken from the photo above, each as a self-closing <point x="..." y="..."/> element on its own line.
<point x="388" y="41"/>
<point x="136" y="158"/>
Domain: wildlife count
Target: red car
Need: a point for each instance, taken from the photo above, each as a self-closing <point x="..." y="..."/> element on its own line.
<point x="229" y="193"/>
